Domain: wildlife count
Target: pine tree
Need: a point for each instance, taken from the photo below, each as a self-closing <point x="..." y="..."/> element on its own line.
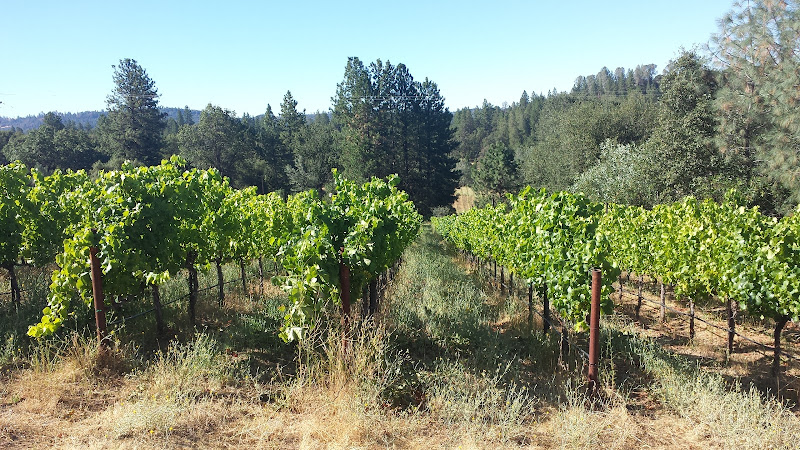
<point x="388" y="123"/>
<point x="352" y="116"/>
<point x="496" y="172"/>
<point x="314" y="157"/>
<point x="760" y="119"/>
<point x="290" y="122"/>
<point x="133" y="127"/>
<point x="187" y="116"/>
<point x="273" y="155"/>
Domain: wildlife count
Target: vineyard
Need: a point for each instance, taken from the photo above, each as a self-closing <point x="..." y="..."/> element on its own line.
<point x="372" y="320"/>
<point x="703" y="249"/>
<point x="147" y="224"/>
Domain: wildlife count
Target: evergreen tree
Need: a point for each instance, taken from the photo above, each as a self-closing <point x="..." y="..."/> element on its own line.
<point x="52" y="146"/>
<point x="273" y="155"/>
<point x="290" y="122"/>
<point x="133" y="128"/>
<point x="495" y="173"/>
<point x="188" y="118"/>
<point x="388" y="123"/>
<point x="432" y="178"/>
<point x="352" y="116"/>
<point x="314" y="156"/>
<point x="221" y="141"/>
<point x="756" y="48"/>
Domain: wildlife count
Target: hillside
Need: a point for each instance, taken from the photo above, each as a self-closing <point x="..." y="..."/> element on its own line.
<point x="84" y="118"/>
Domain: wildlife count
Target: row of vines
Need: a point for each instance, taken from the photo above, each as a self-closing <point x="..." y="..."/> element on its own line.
<point x="551" y="241"/>
<point x="150" y="223"/>
<point x="714" y="251"/>
<point x="705" y="250"/>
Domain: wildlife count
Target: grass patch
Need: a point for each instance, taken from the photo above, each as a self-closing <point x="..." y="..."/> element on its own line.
<point x="740" y="417"/>
<point x="447" y="362"/>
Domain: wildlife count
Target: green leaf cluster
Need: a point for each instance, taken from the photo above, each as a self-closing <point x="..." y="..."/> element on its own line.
<point x="363" y="226"/>
<point x="708" y="249"/>
<point x="551" y="240"/>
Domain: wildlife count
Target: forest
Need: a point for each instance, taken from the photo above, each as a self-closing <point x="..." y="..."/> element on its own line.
<point x="716" y="118"/>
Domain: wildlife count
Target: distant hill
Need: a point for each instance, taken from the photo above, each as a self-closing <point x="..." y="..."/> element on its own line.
<point x="85" y="118"/>
<point x="89" y="118"/>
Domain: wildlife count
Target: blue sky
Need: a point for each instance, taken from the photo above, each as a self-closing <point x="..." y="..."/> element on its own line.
<point x="243" y="55"/>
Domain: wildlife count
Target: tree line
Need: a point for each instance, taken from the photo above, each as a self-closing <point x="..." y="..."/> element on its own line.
<point x="718" y="118"/>
<point x="713" y="120"/>
<point x="382" y="122"/>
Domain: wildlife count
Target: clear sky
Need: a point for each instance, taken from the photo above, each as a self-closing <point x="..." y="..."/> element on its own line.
<point x="242" y="55"/>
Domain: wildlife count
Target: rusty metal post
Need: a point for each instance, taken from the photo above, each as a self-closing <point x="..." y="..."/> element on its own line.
<point x="97" y="294"/>
<point x="594" y="331"/>
<point x="663" y="316"/>
<point x="691" y="319"/>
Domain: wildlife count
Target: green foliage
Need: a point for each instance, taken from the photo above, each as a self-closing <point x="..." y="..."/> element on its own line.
<point x="620" y="176"/>
<point x="552" y="241"/>
<point x="15" y="210"/>
<point x="705" y="249"/>
<point x="682" y="145"/>
<point x="148" y="223"/>
<point x="58" y="201"/>
<point x="273" y="155"/>
<point x="291" y="121"/>
<point x="147" y="220"/>
<point x="54" y="145"/>
<point x="642" y="79"/>
<point x="363" y="226"/>
<point x="221" y="141"/>
<point x="756" y="48"/>
<point x="495" y="173"/>
<point x="314" y="155"/>
<point x="571" y="129"/>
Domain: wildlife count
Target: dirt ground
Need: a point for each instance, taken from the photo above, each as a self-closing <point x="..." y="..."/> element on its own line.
<point x="748" y="363"/>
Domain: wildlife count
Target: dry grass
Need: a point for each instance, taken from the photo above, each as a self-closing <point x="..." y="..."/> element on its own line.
<point x="449" y="364"/>
<point x="326" y="406"/>
<point x="465" y="199"/>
